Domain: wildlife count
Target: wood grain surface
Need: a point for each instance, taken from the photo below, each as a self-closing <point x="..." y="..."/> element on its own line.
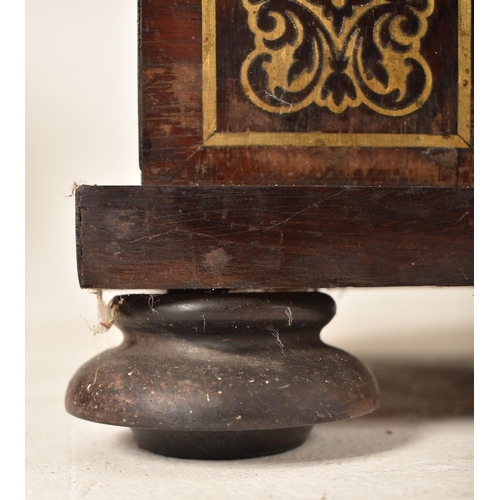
<point x="182" y="84"/>
<point x="202" y="237"/>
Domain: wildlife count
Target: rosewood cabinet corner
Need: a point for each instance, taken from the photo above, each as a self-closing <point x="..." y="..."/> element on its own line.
<point x="285" y="146"/>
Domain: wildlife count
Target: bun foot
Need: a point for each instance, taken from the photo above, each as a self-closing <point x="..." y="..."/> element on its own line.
<point x="222" y="375"/>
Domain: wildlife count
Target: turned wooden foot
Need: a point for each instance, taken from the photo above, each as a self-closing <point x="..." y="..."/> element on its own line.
<point x="222" y="375"/>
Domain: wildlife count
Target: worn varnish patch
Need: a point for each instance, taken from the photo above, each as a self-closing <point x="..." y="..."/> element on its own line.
<point x="216" y="259"/>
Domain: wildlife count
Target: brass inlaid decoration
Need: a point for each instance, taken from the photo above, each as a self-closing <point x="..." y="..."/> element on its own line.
<point x="337" y="54"/>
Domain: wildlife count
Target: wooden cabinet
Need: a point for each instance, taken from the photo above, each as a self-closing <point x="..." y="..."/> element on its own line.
<point x="285" y="145"/>
<point x="298" y="143"/>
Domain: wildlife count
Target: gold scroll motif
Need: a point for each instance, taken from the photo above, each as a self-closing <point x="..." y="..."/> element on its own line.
<point x="337" y="54"/>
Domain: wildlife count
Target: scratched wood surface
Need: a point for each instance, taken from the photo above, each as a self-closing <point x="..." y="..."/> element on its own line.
<point x="174" y="149"/>
<point x="201" y="237"/>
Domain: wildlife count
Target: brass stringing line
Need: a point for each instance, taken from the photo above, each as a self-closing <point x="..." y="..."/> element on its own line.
<point x="393" y="62"/>
<point x="209" y="84"/>
<point x="464" y="69"/>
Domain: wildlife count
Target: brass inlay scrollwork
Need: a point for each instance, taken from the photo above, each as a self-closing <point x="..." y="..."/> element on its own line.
<point x="337" y="54"/>
<point x="213" y="137"/>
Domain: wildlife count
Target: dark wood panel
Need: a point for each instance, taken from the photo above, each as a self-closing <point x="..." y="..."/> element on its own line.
<point x="198" y="237"/>
<point x="171" y="80"/>
<point x="192" y="163"/>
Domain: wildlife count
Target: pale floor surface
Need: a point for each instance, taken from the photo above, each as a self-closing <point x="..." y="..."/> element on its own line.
<point x="419" y="444"/>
